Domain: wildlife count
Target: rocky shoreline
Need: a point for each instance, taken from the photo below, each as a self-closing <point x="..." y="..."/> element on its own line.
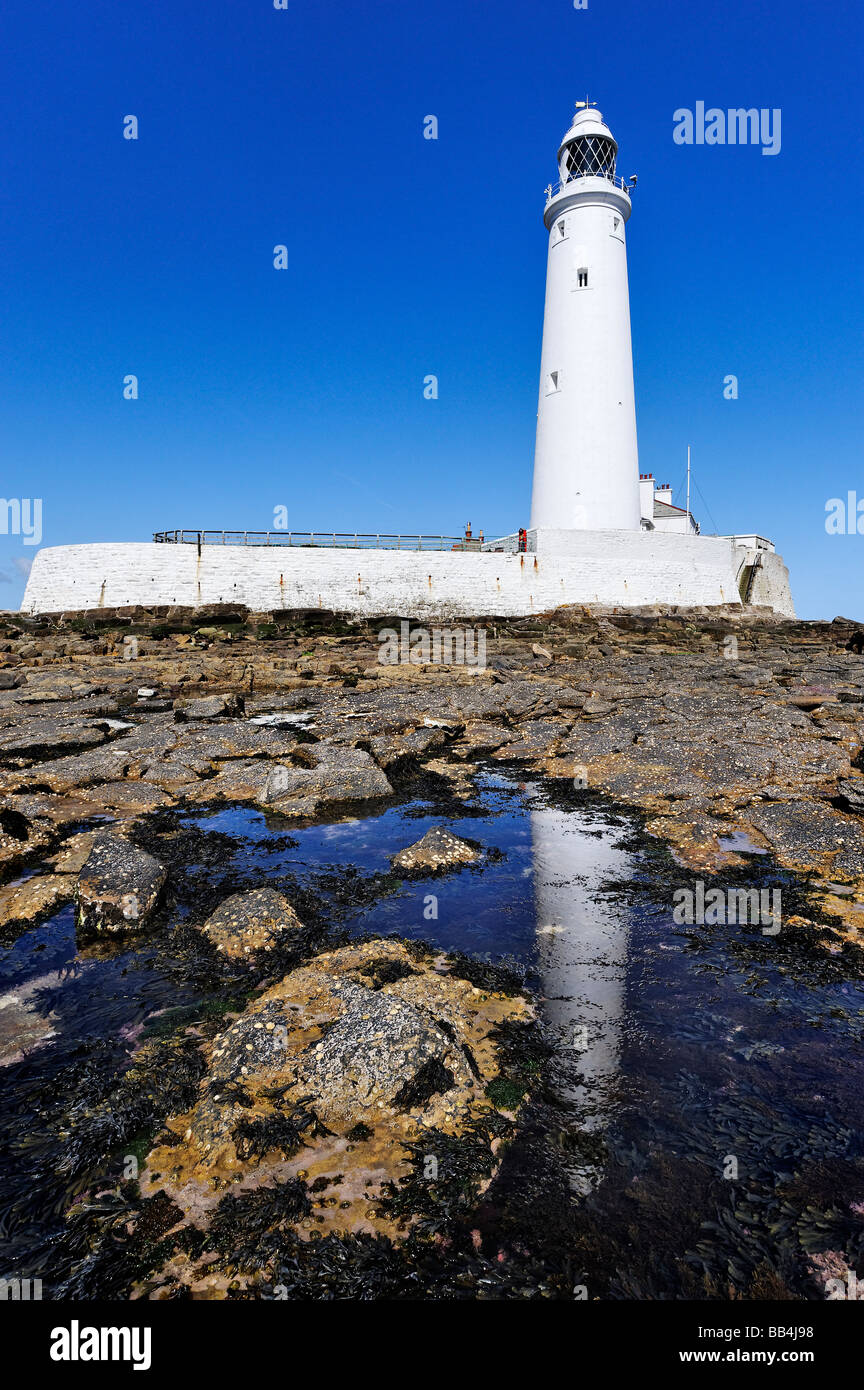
<point x="712" y="724"/>
<point x="329" y="1075"/>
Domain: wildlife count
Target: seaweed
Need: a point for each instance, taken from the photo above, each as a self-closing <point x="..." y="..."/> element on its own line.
<point x="248" y="1231"/>
<point x="460" y="1164"/>
<point x="433" y="1078"/>
<point x="279" y="1131"/>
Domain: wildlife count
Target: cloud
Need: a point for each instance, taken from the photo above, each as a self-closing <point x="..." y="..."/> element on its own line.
<point x="22" y="563"/>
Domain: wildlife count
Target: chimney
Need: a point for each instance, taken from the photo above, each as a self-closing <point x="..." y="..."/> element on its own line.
<point x="646" y="496"/>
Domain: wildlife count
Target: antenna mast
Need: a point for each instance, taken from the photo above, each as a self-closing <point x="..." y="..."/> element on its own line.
<point x="688" y="489"/>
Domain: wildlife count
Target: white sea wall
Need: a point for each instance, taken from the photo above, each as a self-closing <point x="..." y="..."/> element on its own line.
<point x="771" y="584"/>
<point x="625" y="568"/>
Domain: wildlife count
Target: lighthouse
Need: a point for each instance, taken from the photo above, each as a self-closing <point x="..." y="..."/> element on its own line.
<point x="586" y="465"/>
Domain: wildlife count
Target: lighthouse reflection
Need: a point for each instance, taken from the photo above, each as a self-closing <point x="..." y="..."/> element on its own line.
<point x="582" y="939"/>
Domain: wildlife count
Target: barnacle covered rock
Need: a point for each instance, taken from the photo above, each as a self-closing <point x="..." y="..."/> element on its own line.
<point x="248" y="922"/>
<point x="333" y="1071"/>
<point x="439" y="849"/>
<point x="118" y="887"/>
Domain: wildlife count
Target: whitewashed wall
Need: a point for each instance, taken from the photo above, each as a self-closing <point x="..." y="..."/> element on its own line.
<point x="771" y="585"/>
<point x="612" y="567"/>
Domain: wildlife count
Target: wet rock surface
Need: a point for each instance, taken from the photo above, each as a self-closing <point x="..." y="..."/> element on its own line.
<point x="248" y="922"/>
<point x="118" y="887"/>
<point x="439" y="849"/>
<point x="704" y="719"/>
<point x="329" y="1078"/>
<point x="298" y="1155"/>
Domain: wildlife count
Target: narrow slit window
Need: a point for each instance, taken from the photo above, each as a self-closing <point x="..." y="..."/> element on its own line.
<point x="562" y="230"/>
<point x="582" y="278"/>
<point x="551" y="383"/>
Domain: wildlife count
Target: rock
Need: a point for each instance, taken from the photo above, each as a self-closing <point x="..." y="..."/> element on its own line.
<point x="439" y="849"/>
<point x="812" y="698"/>
<point x="19" y="834"/>
<point x="480" y="738"/>
<point x="248" y="922"/>
<point x="325" y="773"/>
<point x="73" y="854"/>
<point x="118" y="887"/>
<point x="210" y="707"/>
<point x="40" y="736"/>
<point x="813" y="836"/>
<point x="245" y="779"/>
<point x="235" y="739"/>
<point x="27" y="902"/>
<point x="11" y="680"/>
<point x="536" y="738"/>
<point x="172" y="775"/>
<point x="389" y="750"/>
<point x="333" y="1070"/>
<point x="851" y="793"/>
<point x="595" y="705"/>
<point x="751" y="675"/>
<point x="126" y="797"/>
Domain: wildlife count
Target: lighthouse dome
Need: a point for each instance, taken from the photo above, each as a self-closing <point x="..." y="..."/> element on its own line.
<point x="588" y="148"/>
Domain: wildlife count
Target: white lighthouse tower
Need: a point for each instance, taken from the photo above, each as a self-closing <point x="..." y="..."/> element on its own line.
<point x="586" y="466"/>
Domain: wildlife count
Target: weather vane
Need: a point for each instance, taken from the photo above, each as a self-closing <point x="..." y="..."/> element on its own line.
<point x="580" y="105"/>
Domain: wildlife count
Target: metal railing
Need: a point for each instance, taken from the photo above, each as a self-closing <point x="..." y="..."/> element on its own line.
<point x="334" y="539"/>
<point x="553" y="189"/>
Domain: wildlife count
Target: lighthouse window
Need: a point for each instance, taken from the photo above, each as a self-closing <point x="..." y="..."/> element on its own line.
<point x="551" y="383"/>
<point x="582" y="278"/>
<point x="562" y="230"/>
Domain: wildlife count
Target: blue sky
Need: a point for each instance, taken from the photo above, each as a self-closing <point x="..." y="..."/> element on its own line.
<point x="407" y="257"/>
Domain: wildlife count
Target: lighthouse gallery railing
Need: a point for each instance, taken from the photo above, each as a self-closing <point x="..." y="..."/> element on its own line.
<point x="553" y="189"/>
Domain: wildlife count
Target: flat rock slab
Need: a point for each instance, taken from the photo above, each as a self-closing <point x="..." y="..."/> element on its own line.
<point x="118" y="887"/>
<point x="811" y="835"/>
<point x="42" y="736"/>
<point x="324" y="773"/>
<point x="136" y="797"/>
<point x="391" y="749"/>
<point x="248" y="922"/>
<point x="209" y="707"/>
<point x="537" y="738"/>
<point x="34" y="898"/>
<point x="439" y="849"/>
<point x="480" y="737"/>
